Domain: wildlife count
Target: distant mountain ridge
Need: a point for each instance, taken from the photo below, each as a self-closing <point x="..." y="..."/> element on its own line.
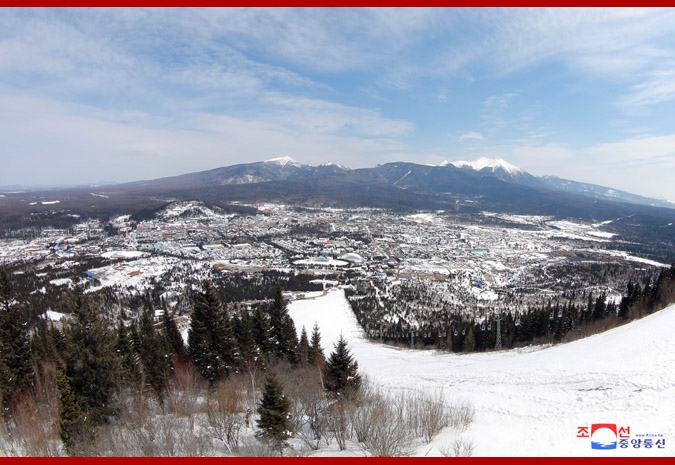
<point x="449" y="176"/>
<point x="276" y="169"/>
<point x="459" y="188"/>
<point x="421" y="178"/>
<point x="510" y="173"/>
<point x="601" y="192"/>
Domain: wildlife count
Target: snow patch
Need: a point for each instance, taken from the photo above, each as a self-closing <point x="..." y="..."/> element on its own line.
<point x="53" y="316"/>
<point x="330" y="163"/>
<point x="123" y="254"/>
<point x="283" y="161"/>
<point x="484" y="162"/>
<point x="322" y="262"/>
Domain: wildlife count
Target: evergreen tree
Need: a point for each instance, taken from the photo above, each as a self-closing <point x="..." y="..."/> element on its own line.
<point x="274" y="421"/>
<point x="625" y="304"/>
<point x="4" y="376"/>
<point x="283" y="331"/>
<point x="43" y="344"/>
<point x="303" y="347"/>
<point x="71" y="419"/>
<point x="154" y="354"/>
<point x="210" y="336"/>
<point x="91" y="364"/>
<point x="600" y="307"/>
<point x="129" y="359"/>
<point x="244" y="333"/>
<point x="316" y="356"/>
<point x="341" y="372"/>
<point x="478" y="336"/>
<point x="6" y="291"/>
<point x="262" y="332"/>
<point x="15" y="353"/>
<point x="173" y="336"/>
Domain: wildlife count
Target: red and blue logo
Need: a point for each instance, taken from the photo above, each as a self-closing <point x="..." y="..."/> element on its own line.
<point x="606" y="436"/>
<point x="603" y="436"/>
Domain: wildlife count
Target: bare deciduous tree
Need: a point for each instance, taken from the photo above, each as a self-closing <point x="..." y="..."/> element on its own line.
<point x="337" y="422"/>
<point x="184" y="389"/>
<point x="308" y="403"/>
<point x="460" y="447"/>
<point x="224" y="412"/>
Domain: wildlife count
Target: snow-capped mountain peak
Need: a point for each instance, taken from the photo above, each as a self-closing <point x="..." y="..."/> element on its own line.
<point x="283" y="161"/>
<point x="330" y="163"/>
<point x="484" y="162"/>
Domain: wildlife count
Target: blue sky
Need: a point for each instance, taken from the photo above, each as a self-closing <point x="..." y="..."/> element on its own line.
<point x="118" y="95"/>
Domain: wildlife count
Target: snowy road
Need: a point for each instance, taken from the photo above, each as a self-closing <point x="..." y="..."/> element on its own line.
<point x="530" y="401"/>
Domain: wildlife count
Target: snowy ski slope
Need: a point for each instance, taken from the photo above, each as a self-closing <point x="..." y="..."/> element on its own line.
<point x="529" y="402"/>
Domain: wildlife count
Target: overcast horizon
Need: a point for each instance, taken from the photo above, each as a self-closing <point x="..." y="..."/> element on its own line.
<point x="129" y="94"/>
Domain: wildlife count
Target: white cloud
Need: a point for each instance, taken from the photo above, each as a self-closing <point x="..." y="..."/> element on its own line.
<point x="543" y="159"/>
<point x="238" y="81"/>
<point x="641" y="165"/>
<point x="469" y="136"/>
<point x="322" y="116"/>
<point x="499" y="101"/>
<point x="638" y="150"/>
<point x="658" y="86"/>
<point x="47" y="142"/>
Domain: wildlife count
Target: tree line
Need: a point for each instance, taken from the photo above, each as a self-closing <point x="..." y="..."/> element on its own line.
<point x="90" y="362"/>
<point x="551" y="321"/>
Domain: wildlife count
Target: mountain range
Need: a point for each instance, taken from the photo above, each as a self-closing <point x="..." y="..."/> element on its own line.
<point x="401" y="184"/>
<point x="458" y="187"/>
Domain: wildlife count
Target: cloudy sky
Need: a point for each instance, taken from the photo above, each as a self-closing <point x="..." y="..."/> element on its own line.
<point x="118" y="95"/>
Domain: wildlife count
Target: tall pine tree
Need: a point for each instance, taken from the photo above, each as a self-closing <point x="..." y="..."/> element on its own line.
<point x="131" y="374"/>
<point x="303" y="347"/>
<point x="71" y="420"/>
<point x="283" y="331"/>
<point x="210" y="336"/>
<point x="341" y="373"/>
<point x="316" y="356"/>
<point x="262" y="331"/>
<point x="15" y="353"/>
<point x="92" y="366"/>
<point x="154" y="352"/>
<point x="173" y="336"/>
<point x="244" y="333"/>
<point x="274" y="421"/>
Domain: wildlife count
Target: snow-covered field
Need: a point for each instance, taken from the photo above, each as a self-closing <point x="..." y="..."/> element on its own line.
<point x="322" y="262"/>
<point x="530" y="401"/>
<point x="123" y="254"/>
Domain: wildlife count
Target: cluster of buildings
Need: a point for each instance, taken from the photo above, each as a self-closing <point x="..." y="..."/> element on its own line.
<point x="433" y="246"/>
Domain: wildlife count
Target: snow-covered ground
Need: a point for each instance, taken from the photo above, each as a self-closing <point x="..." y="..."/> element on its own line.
<point x="627" y="256"/>
<point x="322" y="262"/>
<point x="123" y="254"/>
<point x="529" y="402"/>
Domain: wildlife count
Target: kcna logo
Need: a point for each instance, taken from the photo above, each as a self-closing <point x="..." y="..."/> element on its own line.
<point x="603" y="435"/>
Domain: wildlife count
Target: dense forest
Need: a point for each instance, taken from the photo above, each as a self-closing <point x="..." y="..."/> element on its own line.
<point x="94" y="384"/>
<point x="115" y="376"/>
<point x="419" y="323"/>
